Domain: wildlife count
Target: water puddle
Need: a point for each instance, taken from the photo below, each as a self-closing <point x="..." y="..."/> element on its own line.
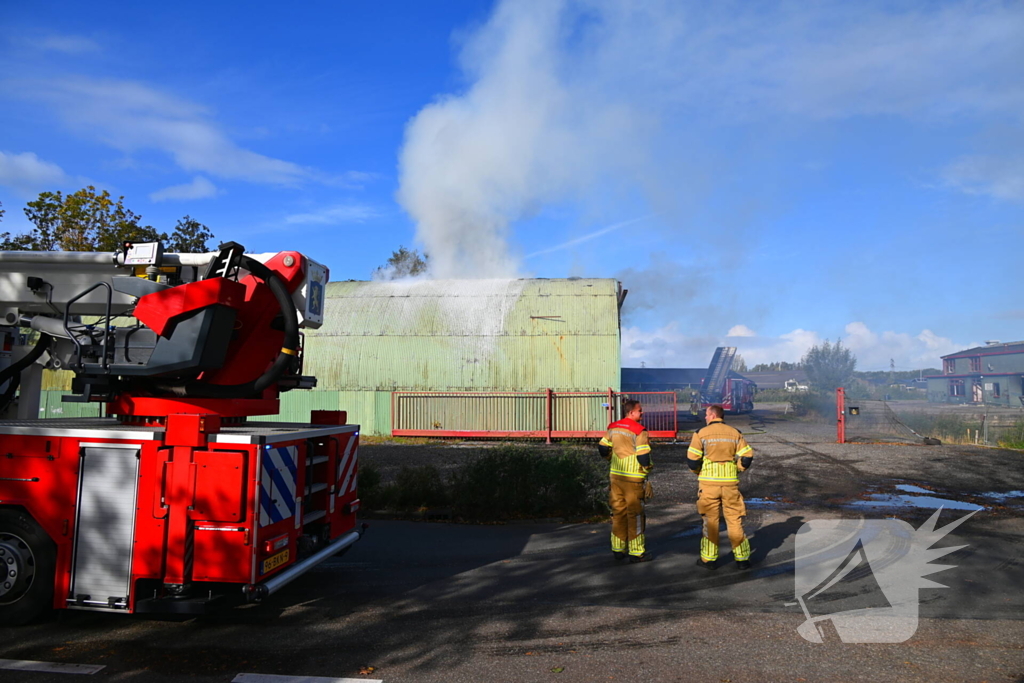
<point x="890" y="500"/>
<point x="1007" y="497"/>
<point x="907" y="488"/>
<point x="759" y="502"/>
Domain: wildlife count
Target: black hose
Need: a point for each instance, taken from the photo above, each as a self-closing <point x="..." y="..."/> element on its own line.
<point x="283" y="362"/>
<point x="13" y="371"/>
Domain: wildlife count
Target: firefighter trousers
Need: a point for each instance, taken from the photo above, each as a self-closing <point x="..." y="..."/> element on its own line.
<point x="712" y="502"/>
<point x="629" y="516"/>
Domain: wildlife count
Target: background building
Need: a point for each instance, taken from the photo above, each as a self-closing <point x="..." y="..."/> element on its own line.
<point x="989" y="374"/>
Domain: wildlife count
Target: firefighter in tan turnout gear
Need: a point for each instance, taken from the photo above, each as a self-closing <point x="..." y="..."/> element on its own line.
<point x="627" y="449"/>
<point x="717" y="454"/>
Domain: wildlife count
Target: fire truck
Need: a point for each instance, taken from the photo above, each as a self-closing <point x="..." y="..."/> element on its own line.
<point x="174" y="502"/>
<point x="723" y="387"/>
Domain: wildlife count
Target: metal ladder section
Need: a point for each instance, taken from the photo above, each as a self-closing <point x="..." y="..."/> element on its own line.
<point x="714" y="381"/>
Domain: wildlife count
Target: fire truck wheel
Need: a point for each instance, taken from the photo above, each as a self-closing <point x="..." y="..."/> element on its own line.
<point x="27" y="561"/>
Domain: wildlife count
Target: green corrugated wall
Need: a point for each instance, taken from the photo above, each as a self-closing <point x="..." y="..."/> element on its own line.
<point x="460" y="335"/>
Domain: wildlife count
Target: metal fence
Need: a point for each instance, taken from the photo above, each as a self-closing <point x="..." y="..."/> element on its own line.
<point x="538" y="414"/>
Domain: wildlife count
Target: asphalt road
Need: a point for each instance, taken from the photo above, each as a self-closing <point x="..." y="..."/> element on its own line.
<point x="545" y="602"/>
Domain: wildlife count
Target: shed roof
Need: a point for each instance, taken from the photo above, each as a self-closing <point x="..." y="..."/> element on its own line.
<point x="989" y="350"/>
<point x="501" y="334"/>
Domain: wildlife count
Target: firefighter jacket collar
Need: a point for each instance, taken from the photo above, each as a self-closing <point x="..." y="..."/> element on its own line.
<point x="717" y="419"/>
<point x="626" y="423"/>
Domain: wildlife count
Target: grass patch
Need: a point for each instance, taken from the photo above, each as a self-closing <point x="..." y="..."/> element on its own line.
<point x="948" y="428"/>
<point x="508" y="483"/>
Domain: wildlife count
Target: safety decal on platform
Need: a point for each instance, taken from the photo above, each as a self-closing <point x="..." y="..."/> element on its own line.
<point x="277" y="484"/>
<point x="347" y="468"/>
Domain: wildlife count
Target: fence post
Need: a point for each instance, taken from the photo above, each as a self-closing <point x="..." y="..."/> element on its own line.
<point x="611" y="406"/>
<point x="548" y="411"/>
<point x="840" y="415"/>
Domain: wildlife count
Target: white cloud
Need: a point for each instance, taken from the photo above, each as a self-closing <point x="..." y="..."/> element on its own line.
<point x="335" y="215"/>
<point x="134" y="117"/>
<point x="740" y="331"/>
<point x="669" y="347"/>
<point x="996" y="176"/>
<point x="27" y="174"/>
<point x="199" y="188"/>
<point x="907" y="351"/>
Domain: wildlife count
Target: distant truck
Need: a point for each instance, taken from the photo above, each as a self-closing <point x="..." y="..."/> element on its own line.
<point x="793" y="386"/>
<point x="737" y="397"/>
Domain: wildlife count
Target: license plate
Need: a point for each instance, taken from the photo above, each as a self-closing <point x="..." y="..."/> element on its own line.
<point x="276" y="561"/>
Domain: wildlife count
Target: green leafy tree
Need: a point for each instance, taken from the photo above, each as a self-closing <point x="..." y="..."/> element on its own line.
<point x="189" y="237"/>
<point x="829" y="365"/>
<point x="82" y="221"/>
<point x="403" y="263"/>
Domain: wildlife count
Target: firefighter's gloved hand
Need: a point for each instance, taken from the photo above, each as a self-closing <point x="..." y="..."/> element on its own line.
<point x="605" y="451"/>
<point x="745" y="463"/>
<point x="694" y="465"/>
<point x="644" y="460"/>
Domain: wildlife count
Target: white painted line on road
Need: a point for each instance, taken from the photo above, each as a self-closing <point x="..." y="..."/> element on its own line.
<point x="49" y="667"/>
<point x="270" y="678"/>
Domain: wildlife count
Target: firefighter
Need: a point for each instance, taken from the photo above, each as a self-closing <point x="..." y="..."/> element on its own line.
<point x="717" y="454"/>
<point x="627" y="449"/>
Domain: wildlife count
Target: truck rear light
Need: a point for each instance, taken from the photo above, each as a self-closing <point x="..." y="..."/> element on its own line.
<point x="351" y="507"/>
<point x="275" y="544"/>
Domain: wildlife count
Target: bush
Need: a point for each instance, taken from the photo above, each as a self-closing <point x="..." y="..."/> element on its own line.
<point x="516" y="482"/>
<point x="772" y="396"/>
<point x="813" y="404"/>
<point x="510" y="482"/>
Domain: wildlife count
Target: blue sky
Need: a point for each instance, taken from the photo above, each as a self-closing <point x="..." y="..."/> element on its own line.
<point x="765" y="175"/>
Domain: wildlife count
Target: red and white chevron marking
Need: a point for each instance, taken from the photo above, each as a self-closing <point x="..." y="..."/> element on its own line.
<point x="347" y="468"/>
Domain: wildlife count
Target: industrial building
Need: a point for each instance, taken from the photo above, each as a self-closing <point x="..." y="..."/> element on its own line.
<point x="500" y="335"/>
<point x="990" y="374"/>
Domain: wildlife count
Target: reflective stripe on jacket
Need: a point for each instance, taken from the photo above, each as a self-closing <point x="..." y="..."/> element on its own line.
<point x="627" y="439"/>
<point x="719" y="447"/>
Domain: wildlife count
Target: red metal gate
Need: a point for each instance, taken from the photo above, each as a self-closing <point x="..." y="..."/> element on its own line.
<point x="543" y="414"/>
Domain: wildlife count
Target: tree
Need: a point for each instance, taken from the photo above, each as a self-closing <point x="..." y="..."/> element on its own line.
<point x="738" y="364"/>
<point x="829" y="366"/>
<point x="189" y="237"/>
<point x="403" y="263"/>
<point x="82" y="221"/>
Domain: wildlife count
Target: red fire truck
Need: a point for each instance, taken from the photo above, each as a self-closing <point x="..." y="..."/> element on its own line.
<point x="175" y="501"/>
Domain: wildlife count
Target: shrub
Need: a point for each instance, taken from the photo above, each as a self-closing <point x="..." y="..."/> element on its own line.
<point x="515" y="482"/>
<point x="813" y="404"/>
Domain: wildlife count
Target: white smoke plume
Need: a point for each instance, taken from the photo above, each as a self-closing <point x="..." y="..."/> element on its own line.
<point x="582" y="102"/>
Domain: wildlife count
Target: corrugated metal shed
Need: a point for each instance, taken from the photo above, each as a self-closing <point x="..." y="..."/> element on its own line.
<point x="458" y="335"/>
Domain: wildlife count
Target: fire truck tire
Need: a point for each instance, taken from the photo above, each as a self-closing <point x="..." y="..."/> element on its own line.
<point x="28" y="560"/>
